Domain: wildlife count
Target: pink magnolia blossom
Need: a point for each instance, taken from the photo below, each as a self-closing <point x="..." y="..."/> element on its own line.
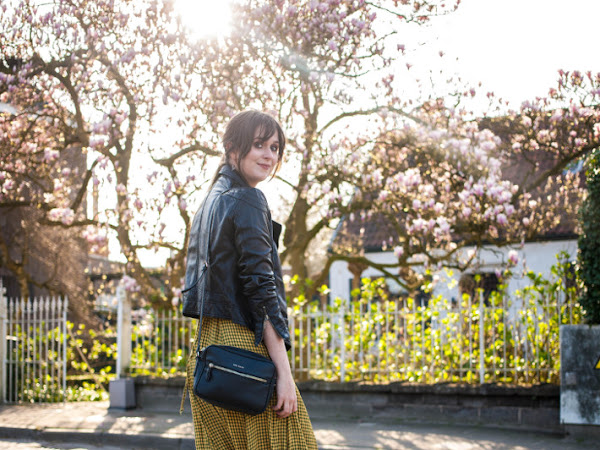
<point x="398" y="251"/>
<point x="50" y="155"/>
<point x="64" y="215"/>
<point x="513" y="257"/>
<point x="8" y="184"/>
<point x="130" y="284"/>
<point x="183" y="204"/>
<point x="501" y="219"/>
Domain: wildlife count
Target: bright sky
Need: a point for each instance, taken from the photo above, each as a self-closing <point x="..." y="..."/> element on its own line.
<point x="205" y="17"/>
<point x="515" y="47"/>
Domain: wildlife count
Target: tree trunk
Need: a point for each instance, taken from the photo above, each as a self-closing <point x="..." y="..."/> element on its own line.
<point x="295" y="240"/>
<point x="356" y="270"/>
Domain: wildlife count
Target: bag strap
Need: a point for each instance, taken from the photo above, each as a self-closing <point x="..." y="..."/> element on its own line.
<point x="206" y="263"/>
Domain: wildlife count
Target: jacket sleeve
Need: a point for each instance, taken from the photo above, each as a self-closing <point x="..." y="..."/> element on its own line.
<point x="254" y="243"/>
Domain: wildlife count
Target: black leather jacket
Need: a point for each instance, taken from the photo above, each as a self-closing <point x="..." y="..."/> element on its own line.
<point x="241" y="278"/>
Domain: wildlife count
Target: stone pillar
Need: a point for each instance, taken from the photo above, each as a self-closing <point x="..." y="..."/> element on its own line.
<point x="122" y="389"/>
<point x="580" y="374"/>
<point x="123" y="332"/>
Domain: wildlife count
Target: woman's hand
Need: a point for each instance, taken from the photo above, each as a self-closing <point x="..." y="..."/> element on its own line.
<point x="287" y="401"/>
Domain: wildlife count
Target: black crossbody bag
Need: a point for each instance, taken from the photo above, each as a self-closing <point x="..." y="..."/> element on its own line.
<point x="231" y="377"/>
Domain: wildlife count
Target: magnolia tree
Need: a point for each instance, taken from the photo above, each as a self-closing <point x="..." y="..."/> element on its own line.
<point x="83" y="85"/>
<point x="319" y="66"/>
<point x="120" y="82"/>
<point x="444" y="182"/>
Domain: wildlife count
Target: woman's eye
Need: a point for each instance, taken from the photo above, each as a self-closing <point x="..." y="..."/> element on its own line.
<point x="275" y="149"/>
<point x="258" y="144"/>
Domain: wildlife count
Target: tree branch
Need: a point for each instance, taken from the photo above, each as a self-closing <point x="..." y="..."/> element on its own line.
<point x="368" y="112"/>
<point x="167" y="162"/>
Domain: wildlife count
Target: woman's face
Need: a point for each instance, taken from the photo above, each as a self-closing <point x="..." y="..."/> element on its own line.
<point x="260" y="161"/>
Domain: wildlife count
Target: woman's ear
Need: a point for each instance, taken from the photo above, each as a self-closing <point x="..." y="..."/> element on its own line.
<point x="233" y="157"/>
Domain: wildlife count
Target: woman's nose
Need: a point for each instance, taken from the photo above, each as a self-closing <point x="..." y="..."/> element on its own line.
<point x="271" y="154"/>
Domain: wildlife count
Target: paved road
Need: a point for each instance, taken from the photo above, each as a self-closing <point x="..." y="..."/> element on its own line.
<point x="22" y="444"/>
<point x="74" y="426"/>
<point x="433" y="437"/>
<point x="353" y="436"/>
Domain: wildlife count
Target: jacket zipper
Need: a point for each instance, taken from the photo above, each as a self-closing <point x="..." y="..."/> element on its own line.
<point x="212" y="366"/>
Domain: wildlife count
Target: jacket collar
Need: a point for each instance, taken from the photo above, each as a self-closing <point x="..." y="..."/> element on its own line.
<point x="236" y="179"/>
<point x="233" y="175"/>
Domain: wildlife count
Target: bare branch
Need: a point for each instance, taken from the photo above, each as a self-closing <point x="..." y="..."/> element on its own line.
<point x="368" y="112"/>
<point x="167" y="162"/>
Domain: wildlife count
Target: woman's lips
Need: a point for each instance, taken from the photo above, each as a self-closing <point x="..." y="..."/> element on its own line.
<point x="265" y="166"/>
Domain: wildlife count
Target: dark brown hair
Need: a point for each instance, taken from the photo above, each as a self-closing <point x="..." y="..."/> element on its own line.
<point x="239" y="136"/>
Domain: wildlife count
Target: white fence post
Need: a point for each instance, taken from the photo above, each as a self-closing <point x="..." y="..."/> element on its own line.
<point x="342" y="324"/>
<point x="65" y="344"/>
<point x="123" y="331"/>
<point x="3" y="316"/>
<point x="481" y="339"/>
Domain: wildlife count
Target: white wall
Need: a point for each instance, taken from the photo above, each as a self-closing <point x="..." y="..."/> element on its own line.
<point x="537" y="256"/>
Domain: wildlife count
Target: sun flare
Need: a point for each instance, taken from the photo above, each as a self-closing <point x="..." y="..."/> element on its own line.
<point x="205" y="18"/>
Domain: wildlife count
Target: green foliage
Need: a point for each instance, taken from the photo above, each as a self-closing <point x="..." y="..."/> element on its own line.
<point x="35" y="361"/>
<point x="37" y="369"/>
<point x="589" y="242"/>
<point x="91" y="355"/>
<point x="380" y="340"/>
<point x="161" y="344"/>
<point x="151" y="359"/>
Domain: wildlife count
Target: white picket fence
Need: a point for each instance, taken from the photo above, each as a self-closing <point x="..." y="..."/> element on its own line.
<point x="161" y="343"/>
<point x="471" y="342"/>
<point x="33" y="349"/>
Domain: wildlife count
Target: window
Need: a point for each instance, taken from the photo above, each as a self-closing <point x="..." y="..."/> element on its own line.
<point x="469" y="283"/>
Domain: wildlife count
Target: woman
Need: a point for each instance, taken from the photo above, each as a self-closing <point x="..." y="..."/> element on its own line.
<point x="244" y="298"/>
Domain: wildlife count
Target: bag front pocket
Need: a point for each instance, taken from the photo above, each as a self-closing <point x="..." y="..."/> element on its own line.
<point x="212" y="366"/>
<point x="235" y="379"/>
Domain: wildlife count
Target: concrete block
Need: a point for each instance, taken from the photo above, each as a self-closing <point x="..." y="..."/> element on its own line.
<point x="122" y="393"/>
<point x="543" y="419"/>
<point x="499" y="415"/>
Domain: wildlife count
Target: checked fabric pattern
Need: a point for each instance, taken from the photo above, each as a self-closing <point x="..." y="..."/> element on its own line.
<point x="218" y="428"/>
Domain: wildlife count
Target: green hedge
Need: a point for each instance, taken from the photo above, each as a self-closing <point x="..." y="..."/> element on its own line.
<point x="589" y="242"/>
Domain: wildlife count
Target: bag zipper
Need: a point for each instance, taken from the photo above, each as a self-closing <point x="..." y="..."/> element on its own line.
<point x="212" y="366"/>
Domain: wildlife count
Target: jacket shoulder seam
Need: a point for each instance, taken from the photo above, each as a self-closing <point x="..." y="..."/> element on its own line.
<point x="250" y="196"/>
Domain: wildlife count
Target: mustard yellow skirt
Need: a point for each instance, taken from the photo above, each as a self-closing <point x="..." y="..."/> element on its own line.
<point x="218" y="428"/>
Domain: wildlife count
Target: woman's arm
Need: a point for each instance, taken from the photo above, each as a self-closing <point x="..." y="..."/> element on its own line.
<point x="287" y="402"/>
<point x="254" y="245"/>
